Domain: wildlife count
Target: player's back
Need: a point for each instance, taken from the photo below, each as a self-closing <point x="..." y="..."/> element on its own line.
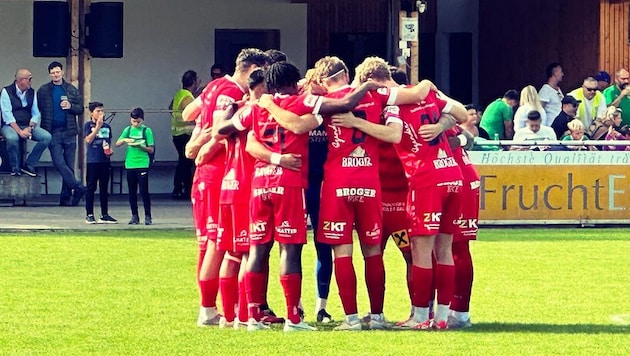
<point x="239" y="164"/>
<point x="353" y="156"/>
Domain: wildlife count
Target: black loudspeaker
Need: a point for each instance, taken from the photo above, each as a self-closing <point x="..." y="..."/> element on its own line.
<point x="51" y="29"/>
<point x="105" y="36"/>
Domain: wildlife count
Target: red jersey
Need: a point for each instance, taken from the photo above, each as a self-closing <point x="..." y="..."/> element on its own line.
<point x="217" y="97"/>
<point x="353" y="155"/>
<point x="431" y="163"/>
<point x="239" y="165"/>
<point x="469" y="172"/>
<point x="391" y="171"/>
<point x="280" y="140"/>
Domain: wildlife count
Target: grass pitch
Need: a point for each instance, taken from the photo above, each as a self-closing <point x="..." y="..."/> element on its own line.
<point x="536" y="291"/>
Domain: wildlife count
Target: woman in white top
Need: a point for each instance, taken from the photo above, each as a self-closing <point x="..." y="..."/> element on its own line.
<point x="529" y="101"/>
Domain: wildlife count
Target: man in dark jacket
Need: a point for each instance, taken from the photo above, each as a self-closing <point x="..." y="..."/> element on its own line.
<point x="59" y="104"/>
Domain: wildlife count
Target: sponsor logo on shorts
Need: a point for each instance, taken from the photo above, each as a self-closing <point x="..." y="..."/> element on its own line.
<point x="355" y="192"/>
<point x="286" y="229"/>
<point x="242" y="237"/>
<point x="393" y="207"/>
<point x="432" y="217"/>
<point x="375" y="233"/>
<point x="466" y="224"/>
<point x="267" y="191"/>
<point x="335" y="226"/>
<point x="258" y="226"/>
<point x="401" y="238"/>
<point x="268" y="170"/>
<point x="229" y="185"/>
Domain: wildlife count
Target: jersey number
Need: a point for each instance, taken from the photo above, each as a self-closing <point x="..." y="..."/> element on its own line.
<point x="359" y="136"/>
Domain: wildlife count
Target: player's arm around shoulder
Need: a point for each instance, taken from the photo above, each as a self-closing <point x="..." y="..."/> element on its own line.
<point x="287" y="119"/>
<point x="290" y="161"/>
<point x="390" y="132"/>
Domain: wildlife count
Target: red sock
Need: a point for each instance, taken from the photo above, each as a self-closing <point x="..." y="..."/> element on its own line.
<point x="229" y="296"/>
<point x="209" y="290"/>
<point x="375" y="282"/>
<point x="444" y="280"/>
<point x="292" y="285"/>
<point x="202" y="254"/>
<point x="347" y="284"/>
<point x="421" y="279"/>
<point x="463" y="277"/>
<point x="242" y="301"/>
<point x="254" y="286"/>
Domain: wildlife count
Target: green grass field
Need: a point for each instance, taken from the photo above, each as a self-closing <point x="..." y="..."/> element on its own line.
<point x="537" y="291"/>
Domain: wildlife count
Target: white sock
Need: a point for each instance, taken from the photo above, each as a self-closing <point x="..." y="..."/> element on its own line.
<point x="208" y="312"/>
<point x="420" y="314"/>
<point x="442" y="312"/>
<point x="463" y="316"/>
<point x="379" y="317"/>
<point x="320" y="304"/>
<point x="352" y="318"/>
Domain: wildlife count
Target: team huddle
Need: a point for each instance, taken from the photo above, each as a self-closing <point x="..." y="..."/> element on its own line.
<point x="384" y="159"/>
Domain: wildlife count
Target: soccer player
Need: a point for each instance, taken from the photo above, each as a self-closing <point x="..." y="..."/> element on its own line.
<point x="467" y="230"/>
<point x="215" y="102"/>
<point x="278" y="194"/>
<point x="433" y="202"/>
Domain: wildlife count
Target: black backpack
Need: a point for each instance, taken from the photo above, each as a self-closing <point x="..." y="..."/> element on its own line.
<point x="151" y="155"/>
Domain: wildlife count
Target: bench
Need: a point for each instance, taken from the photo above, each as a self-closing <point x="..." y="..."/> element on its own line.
<point x="18" y="189"/>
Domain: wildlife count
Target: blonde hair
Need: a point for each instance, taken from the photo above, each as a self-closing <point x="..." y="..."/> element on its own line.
<point x="329" y="68"/>
<point x="575" y="125"/>
<point x="373" y="68"/>
<point x="529" y="96"/>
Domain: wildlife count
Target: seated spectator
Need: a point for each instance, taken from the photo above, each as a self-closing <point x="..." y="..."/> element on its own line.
<point x="599" y="127"/>
<point x="592" y="102"/>
<point x="569" y="108"/>
<point x="21" y="121"/>
<point x="615" y="133"/>
<point x="603" y="80"/>
<point x="497" y="118"/>
<point x="576" y="133"/>
<point x="529" y="101"/>
<point x="534" y="131"/>
<point x="472" y="126"/>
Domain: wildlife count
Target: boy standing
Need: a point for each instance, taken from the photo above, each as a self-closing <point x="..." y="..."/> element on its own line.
<point x="98" y="140"/>
<point x="139" y="139"/>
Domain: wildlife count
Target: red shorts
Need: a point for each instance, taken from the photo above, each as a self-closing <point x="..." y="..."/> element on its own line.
<point x="233" y="232"/>
<point x="395" y="219"/>
<point x="346" y="207"/>
<point x="205" y="203"/>
<point x="434" y="209"/>
<point x="469" y="215"/>
<point x="278" y="214"/>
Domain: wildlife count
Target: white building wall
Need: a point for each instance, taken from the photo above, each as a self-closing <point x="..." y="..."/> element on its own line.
<point x="162" y="39"/>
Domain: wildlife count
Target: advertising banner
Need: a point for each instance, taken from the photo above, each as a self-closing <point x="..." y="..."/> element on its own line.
<point x="538" y="187"/>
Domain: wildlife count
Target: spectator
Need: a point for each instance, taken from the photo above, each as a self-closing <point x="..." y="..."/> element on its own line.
<point x="181" y="131"/>
<point x="600" y="127"/>
<point x="534" y="131"/>
<point x="497" y="118"/>
<point x="479" y="134"/>
<point x="617" y="95"/>
<point x="217" y="71"/>
<point x="593" y="103"/>
<point x="529" y="101"/>
<point x="569" y="108"/>
<point x="60" y="103"/>
<point x="576" y="133"/>
<point x="616" y="132"/>
<point x="21" y="121"/>
<point x="603" y="80"/>
<point x="140" y="144"/>
<point x="550" y="94"/>
<point x="98" y="149"/>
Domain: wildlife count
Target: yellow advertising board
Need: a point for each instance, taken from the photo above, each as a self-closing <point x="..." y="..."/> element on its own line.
<point x="538" y="187"/>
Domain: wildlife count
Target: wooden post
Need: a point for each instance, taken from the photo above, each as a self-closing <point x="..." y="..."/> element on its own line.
<point x="402" y="66"/>
<point x="415" y="54"/>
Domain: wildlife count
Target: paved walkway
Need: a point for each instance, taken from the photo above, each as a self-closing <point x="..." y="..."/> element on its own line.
<point x="45" y="214"/>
